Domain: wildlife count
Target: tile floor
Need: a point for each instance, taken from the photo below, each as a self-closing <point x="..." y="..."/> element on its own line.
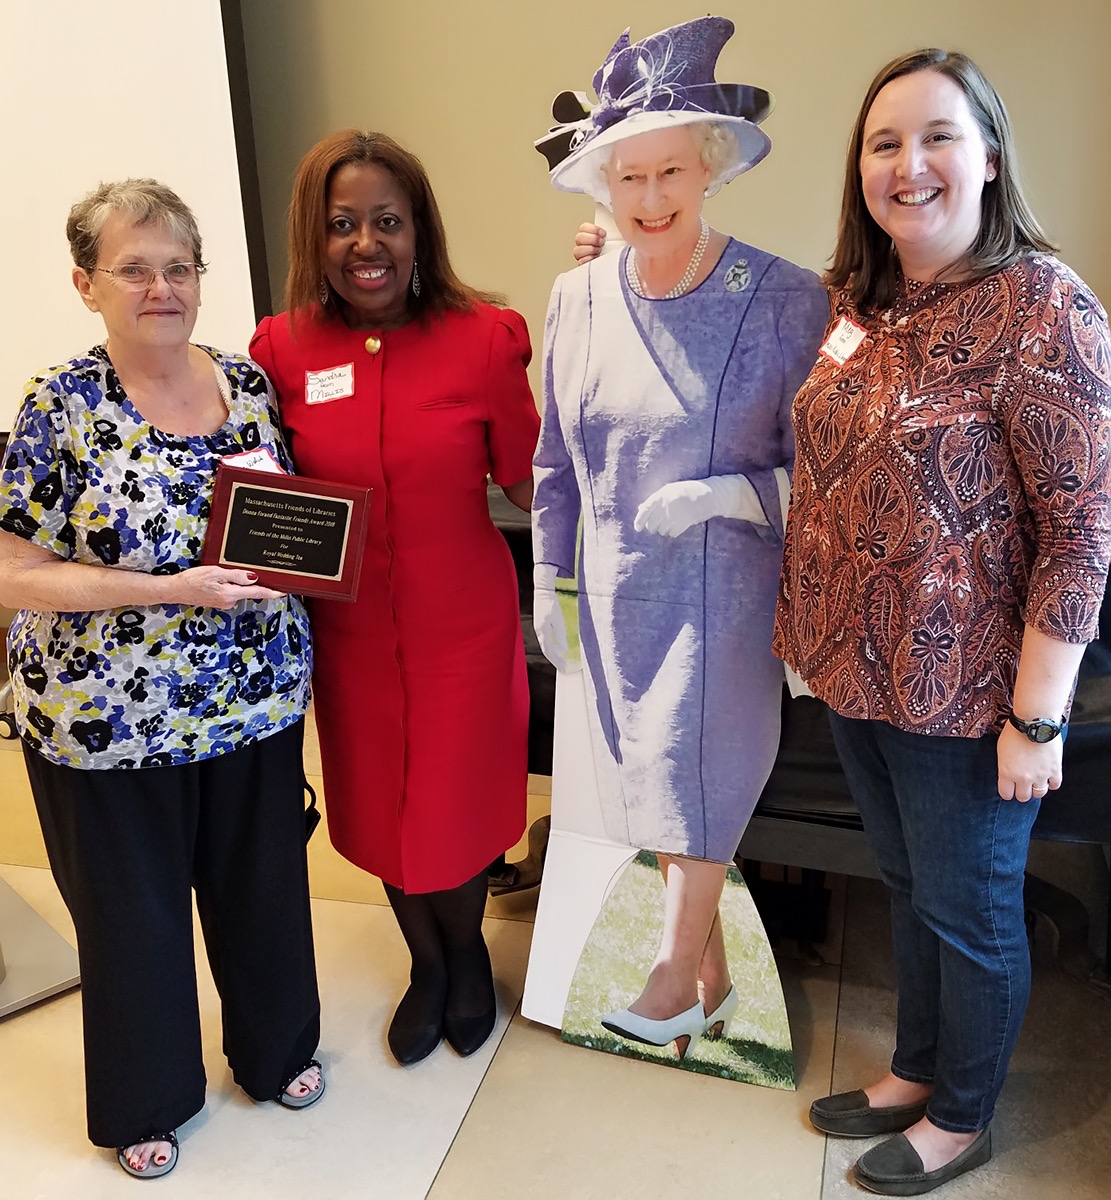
<point x="529" y="1117"/>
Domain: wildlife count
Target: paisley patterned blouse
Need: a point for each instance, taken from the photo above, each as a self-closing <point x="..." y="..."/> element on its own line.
<point x="88" y="478"/>
<point x="951" y="484"/>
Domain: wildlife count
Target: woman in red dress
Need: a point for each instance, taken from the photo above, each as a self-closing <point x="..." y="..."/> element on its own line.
<point x="394" y="375"/>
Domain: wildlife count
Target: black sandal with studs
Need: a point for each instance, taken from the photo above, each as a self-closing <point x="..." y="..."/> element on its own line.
<point x="288" y="1101"/>
<point x="152" y="1170"/>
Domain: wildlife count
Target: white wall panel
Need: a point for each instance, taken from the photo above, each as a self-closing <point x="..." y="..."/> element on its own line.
<point x="98" y="91"/>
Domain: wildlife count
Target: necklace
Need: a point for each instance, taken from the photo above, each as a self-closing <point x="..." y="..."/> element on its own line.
<point x="632" y="271"/>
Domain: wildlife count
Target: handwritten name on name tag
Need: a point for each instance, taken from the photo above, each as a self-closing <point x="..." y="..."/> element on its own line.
<point x="336" y="383"/>
<point x="843" y="341"/>
<point x="254" y="460"/>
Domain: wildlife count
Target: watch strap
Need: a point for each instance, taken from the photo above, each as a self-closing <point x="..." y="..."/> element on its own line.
<point x="1040" y="730"/>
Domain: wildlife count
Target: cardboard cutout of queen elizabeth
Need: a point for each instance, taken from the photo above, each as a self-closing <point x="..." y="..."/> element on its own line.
<point x="662" y="477"/>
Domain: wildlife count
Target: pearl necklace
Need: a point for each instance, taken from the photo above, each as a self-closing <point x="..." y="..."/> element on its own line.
<point x="632" y="271"/>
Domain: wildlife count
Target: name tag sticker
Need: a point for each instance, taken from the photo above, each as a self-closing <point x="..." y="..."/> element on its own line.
<point x="255" y="460"/>
<point x="336" y="383"/>
<point x="843" y="341"/>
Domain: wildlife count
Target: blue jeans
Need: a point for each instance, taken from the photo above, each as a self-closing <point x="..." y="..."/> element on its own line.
<point x="953" y="856"/>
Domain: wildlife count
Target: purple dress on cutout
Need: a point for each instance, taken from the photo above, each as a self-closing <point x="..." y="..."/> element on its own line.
<point x="684" y="692"/>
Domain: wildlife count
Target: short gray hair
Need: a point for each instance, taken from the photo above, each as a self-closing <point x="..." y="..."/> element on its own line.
<point x="719" y="150"/>
<point x="145" y="201"/>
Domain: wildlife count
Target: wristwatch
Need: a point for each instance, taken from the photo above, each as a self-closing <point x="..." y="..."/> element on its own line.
<point x="1040" y="729"/>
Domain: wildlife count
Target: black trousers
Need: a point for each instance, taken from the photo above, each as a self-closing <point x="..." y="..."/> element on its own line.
<point x="125" y="848"/>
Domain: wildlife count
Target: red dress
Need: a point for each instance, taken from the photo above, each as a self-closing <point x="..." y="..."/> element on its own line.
<point x="420" y="688"/>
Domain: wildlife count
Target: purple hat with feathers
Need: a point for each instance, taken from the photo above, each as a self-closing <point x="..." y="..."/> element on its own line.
<point x="659" y="82"/>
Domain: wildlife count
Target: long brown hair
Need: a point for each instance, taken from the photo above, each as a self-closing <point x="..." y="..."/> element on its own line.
<point x="865" y="261"/>
<point x="441" y="289"/>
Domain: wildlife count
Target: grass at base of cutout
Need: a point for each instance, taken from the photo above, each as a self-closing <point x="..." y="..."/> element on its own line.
<point x="618" y="956"/>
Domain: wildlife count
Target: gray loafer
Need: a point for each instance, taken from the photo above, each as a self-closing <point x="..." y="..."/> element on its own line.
<point x="849" y="1115"/>
<point x="893" y="1168"/>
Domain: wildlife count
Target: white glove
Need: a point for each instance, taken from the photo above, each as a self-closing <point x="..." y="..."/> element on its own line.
<point x="674" y="508"/>
<point x="547" y="620"/>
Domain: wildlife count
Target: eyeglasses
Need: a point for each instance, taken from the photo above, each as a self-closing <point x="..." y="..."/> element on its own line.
<point x="181" y="276"/>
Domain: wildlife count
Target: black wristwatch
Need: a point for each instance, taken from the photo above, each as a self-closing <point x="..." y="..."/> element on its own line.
<point x="1040" y="729"/>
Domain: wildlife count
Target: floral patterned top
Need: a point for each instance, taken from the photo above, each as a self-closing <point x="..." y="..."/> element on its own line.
<point x="951" y="484"/>
<point x="85" y="476"/>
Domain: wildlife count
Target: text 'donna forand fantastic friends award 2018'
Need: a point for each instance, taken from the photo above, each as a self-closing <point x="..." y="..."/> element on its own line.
<point x="297" y="534"/>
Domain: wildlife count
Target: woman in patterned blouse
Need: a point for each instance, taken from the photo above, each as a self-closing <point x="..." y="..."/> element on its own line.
<point x="161" y="704"/>
<point x="944" y="566"/>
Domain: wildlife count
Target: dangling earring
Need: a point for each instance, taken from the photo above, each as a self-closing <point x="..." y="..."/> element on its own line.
<point x="324" y="293"/>
<point x="416" y="279"/>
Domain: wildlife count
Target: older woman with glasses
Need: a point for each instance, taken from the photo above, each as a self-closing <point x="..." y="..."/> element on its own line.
<point x="161" y="704"/>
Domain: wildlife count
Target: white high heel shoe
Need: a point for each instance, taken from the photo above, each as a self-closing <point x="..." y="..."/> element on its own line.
<point x="717" y="1023"/>
<point x="684" y="1029"/>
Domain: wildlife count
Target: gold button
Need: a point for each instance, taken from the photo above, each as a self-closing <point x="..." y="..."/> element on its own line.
<point x="373" y="345"/>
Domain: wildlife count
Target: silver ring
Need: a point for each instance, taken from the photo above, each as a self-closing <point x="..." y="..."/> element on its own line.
<point x="1039" y="791"/>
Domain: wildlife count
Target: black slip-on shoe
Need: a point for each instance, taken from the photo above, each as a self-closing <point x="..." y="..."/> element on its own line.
<point x="893" y="1168"/>
<point x="417" y="1025"/>
<point x="412" y="1043"/>
<point x="465" y="1035"/>
<point x="849" y="1115"/>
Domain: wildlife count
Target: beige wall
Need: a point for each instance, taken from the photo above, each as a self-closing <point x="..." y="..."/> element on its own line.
<point x="468" y="87"/>
<point x="74" y="115"/>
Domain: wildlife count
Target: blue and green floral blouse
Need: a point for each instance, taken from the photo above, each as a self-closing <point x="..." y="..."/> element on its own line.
<point x="85" y="476"/>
